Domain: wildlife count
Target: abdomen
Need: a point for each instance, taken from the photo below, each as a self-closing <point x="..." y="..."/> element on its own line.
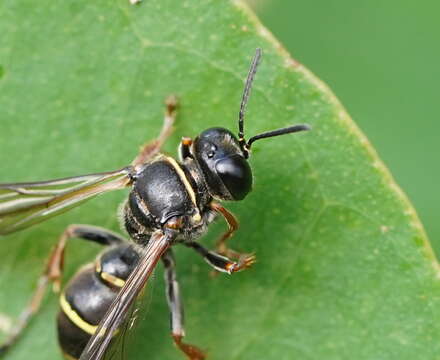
<point x="89" y="294"/>
<point x="82" y="306"/>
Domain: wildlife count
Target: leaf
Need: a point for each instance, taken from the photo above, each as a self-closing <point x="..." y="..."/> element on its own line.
<point x="344" y="267"/>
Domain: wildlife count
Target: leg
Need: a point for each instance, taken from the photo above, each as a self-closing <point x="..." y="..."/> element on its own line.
<point x="31" y="308"/>
<point x="222" y="263"/>
<point x="176" y="308"/>
<point x="53" y="271"/>
<point x="55" y="265"/>
<point x="148" y="150"/>
<point x="221" y="246"/>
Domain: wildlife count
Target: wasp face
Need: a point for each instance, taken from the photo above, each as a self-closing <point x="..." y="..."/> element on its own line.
<point x="220" y="157"/>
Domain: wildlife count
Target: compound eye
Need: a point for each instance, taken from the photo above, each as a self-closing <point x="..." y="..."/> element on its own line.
<point x="236" y="175"/>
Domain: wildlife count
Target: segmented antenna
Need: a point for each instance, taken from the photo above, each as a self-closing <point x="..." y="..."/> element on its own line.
<point x="287" y="130"/>
<point x="246" y="93"/>
<point x="245" y="146"/>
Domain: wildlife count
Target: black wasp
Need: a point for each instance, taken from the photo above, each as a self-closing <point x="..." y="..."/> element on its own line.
<point x="170" y="202"/>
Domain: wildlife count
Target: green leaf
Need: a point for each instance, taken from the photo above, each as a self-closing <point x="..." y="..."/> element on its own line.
<point x="344" y="268"/>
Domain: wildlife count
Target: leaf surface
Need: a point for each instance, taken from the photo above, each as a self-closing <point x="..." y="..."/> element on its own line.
<point x="344" y="267"/>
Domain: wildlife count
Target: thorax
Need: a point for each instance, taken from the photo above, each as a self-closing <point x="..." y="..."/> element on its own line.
<point x="165" y="189"/>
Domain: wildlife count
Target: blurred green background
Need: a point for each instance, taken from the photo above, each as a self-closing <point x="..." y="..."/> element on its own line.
<point x="382" y="60"/>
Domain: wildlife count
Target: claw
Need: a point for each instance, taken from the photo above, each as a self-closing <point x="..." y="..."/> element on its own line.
<point x="245" y="261"/>
<point x="191" y="351"/>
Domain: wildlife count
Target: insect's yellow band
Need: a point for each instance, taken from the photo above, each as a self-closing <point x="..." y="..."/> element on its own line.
<point x="196" y="218"/>
<point x="182" y="176"/>
<point x="111" y="279"/>
<point x="75" y="318"/>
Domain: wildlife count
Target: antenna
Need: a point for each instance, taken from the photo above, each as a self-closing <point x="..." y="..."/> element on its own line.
<point x="287" y="130"/>
<point x="245" y="146"/>
<point x="246" y="93"/>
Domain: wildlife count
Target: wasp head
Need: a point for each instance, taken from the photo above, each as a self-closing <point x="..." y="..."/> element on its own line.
<point x="223" y="158"/>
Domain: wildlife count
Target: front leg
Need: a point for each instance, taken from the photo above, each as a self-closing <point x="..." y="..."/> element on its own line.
<point x="221" y="246"/>
<point x="222" y="263"/>
<point x="150" y="149"/>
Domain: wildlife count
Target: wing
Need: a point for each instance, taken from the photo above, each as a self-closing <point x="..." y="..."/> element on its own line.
<point x="98" y="344"/>
<point x="25" y="204"/>
<point x="120" y="347"/>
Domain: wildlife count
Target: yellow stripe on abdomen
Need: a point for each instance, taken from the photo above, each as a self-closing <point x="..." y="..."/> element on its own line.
<point x="73" y="316"/>
<point x="109" y="278"/>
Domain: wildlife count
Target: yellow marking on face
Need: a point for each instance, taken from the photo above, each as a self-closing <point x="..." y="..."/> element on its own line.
<point x="75" y="318"/>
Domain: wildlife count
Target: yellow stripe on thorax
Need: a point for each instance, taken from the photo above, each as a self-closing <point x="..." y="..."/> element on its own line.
<point x="187" y="185"/>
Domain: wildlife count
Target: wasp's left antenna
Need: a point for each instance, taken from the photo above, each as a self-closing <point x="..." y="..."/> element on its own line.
<point x="246" y="93"/>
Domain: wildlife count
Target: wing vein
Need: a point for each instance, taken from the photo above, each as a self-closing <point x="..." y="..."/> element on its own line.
<point x="98" y="344"/>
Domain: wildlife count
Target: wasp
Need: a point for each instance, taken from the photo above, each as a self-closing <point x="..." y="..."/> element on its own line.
<point x="170" y="202"/>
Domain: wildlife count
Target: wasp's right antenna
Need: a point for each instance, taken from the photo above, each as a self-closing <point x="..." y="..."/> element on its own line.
<point x="246" y="93"/>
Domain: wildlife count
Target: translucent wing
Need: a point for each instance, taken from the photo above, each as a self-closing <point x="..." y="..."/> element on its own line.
<point x="150" y="255"/>
<point x="121" y="345"/>
<point x="25" y="204"/>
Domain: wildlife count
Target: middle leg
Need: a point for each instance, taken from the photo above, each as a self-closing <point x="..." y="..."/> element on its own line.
<point x="222" y="263"/>
<point x="176" y="308"/>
